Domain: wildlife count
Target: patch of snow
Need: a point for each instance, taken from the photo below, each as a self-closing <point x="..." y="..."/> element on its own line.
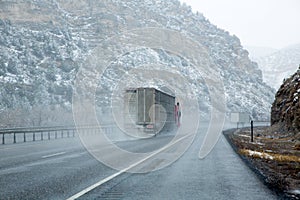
<point x="260" y="154"/>
<point x="58" y="77"/>
<point x="259" y="143"/>
<point x="269" y="151"/>
<point x="295" y="191"/>
<point x="241" y="135"/>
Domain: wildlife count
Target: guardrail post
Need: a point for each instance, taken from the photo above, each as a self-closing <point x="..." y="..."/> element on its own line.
<point x="48" y="135"/>
<point x="24" y="136"/>
<point x="15" y="138"/>
<point x="3" y="138"/>
<point x="33" y="137"/>
<point x="251" y="130"/>
<point x="62" y="134"/>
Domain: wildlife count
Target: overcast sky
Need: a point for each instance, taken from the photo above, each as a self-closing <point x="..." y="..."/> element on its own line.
<point x="263" y="23"/>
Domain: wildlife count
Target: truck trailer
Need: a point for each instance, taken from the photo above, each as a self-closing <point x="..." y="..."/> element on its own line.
<point x="149" y="110"/>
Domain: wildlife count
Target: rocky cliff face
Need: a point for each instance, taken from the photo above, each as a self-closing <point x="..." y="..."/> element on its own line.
<point x="286" y="107"/>
<point x="44" y="43"/>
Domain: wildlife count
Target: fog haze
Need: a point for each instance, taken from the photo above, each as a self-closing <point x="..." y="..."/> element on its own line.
<point x="263" y="23"/>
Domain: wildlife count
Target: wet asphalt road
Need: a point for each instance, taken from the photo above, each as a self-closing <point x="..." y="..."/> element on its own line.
<point x="46" y="170"/>
<point x="221" y="175"/>
<point x="58" y="169"/>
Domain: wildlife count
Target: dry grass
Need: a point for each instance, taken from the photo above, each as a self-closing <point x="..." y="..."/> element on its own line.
<point x="270" y="156"/>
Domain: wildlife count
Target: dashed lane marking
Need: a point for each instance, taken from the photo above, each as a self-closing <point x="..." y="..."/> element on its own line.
<point x="52" y="155"/>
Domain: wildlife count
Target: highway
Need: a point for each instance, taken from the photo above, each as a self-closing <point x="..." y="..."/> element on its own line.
<point x="64" y="169"/>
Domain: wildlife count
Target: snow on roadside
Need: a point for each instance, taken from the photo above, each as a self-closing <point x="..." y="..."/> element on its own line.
<point x="270" y="156"/>
<point x="257" y="154"/>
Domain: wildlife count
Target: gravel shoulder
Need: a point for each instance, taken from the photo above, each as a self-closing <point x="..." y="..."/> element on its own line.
<point x="275" y="158"/>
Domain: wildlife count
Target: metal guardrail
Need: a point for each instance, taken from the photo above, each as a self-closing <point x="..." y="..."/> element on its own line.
<point x="24" y="134"/>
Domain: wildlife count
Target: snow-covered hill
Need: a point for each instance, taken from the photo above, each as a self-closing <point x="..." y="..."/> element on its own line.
<point x="44" y="43"/>
<point x="279" y="65"/>
<point x="257" y="51"/>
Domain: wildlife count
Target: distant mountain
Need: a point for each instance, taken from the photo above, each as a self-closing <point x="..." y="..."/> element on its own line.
<point x="257" y="52"/>
<point x="44" y="43"/>
<point x="279" y="65"/>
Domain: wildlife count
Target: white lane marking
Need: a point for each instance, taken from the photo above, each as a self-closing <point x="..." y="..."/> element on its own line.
<point x="52" y="155"/>
<point x="23" y="146"/>
<point x="86" y="190"/>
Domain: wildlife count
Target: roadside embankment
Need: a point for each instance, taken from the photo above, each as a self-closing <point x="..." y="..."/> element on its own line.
<point x="274" y="158"/>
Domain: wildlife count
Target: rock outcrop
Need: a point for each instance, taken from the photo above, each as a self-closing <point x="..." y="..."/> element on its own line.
<point x="285" y="110"/>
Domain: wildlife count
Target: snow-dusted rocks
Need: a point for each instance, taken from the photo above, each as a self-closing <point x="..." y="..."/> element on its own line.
<point x="286" y="107"/>
<point x="42" y="48"/>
